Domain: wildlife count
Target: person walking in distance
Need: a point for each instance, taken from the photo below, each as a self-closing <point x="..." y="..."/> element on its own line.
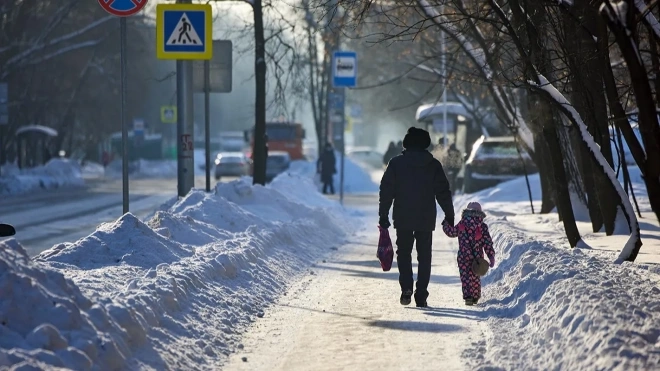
<point x="454" y="163"/>
<point x="327" y="167"/>
<point x="391" y="152"/>
<point x="414" y="181"/>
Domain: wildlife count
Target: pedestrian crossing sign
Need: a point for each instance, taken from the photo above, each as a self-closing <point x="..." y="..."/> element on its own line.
<point x="184" y="31"/>
<point x="168" y="114"/>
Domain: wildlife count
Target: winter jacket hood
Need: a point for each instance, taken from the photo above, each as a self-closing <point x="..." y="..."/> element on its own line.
<point x="418" y="157"/>
<point x="476" y="214"/>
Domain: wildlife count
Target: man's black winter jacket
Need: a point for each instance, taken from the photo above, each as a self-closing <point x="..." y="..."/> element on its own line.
<point x="414" y="181"/>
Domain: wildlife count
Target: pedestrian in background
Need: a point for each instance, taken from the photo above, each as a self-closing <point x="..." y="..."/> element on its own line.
<point x="327" y="168"/>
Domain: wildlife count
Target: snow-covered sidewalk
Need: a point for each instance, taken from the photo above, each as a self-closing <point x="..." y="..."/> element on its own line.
<point x="345" y="315"/>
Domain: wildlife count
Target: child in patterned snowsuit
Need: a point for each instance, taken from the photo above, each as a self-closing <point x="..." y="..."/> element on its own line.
<point x="473" y="240"/>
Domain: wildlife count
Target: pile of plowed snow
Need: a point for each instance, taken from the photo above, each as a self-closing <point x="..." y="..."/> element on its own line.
<point x="560" y="309"/>
<point x="550" y="307"/>
<point x="172" y="292"/>
<point x="56" y="173"/>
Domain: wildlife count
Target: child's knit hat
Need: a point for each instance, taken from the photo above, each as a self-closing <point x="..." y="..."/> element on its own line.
<point x="474" y="206"/>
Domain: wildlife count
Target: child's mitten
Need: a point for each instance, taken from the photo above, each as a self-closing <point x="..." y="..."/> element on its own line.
<point x="492" y="261"/>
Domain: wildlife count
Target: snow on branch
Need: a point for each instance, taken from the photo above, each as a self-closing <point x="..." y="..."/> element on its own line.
<point x="571" y="113"/>
<point x="478" y="56"/>
<point x="64" y="50"/>
<point x="26" y="54"/>
<point x="649" y="18"/>
<point x="617" y="15"/>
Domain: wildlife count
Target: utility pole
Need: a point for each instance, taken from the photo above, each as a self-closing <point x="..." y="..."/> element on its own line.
<point x="185" y="125"/>
<point x="443" y="47"/>
<point x="207" y="122"/>
<point x="259" y="149"/>
<point x="124" y="124"/>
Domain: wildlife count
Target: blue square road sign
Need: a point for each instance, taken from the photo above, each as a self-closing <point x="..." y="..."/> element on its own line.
<point x="344" y="69"/>
<point x="184" y="31"/>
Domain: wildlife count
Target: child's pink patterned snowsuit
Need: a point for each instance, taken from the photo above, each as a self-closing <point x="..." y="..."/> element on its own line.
<point x="473" y="240"/>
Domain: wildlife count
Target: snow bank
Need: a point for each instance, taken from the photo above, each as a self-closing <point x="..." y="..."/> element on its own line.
<point x="56" y="173"/>
<point x="92" y="170"/>
<point x="174" y="291"/>
<point x="46" y="321"/>
<point x="552" y="308"/>
<point x="357" y="179"/>
<point x="559" y="309"/>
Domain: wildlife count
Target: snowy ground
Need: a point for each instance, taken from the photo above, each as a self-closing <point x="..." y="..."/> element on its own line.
<point x="55" y="174"/>
<point x="281" y="278"/>
<point x="345" y="315"/>
<point x="137" y="295"/>
<point x="545" y="306"/>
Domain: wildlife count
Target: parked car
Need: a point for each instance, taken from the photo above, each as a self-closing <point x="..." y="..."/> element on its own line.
<point x="366" y="155"/>
<point x="494" y="160"/>
<point x="231" y="164"/>
<point x="277" y="163"/>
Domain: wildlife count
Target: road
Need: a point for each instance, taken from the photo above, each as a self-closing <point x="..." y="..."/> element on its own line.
<point x="47" y="218"/>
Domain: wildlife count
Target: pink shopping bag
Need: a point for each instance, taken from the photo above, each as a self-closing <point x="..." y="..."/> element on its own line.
<point x="385" y="251"/>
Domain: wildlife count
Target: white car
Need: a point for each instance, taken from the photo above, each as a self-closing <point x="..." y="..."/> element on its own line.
<point x="231" y="164"/>
<point x="367" y="156"/>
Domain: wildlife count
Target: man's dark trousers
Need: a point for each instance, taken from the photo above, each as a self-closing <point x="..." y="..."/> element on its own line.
<point x="404" y="244"/>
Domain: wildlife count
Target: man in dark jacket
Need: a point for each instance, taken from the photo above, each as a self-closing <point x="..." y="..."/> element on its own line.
<point x="414" y="181"/>
<point x="327" y="167"/>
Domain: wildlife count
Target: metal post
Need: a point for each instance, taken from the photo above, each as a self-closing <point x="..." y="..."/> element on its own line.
<point x="444" y="78"/>
<point x="124" y="127"/>
<point x="185" y="124"/>
<point x="207" y="122"/>
<point x="343" y="150"/>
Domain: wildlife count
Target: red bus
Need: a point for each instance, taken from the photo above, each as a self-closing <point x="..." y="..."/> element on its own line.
<point x="282" y="136"/>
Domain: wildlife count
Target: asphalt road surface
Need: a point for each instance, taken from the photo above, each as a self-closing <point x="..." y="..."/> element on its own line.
<point x="47" y="218"/>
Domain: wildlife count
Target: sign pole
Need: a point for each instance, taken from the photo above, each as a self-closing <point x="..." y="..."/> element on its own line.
<point x="124" y="127"/>
<point x="184" y="32"/>
<point x="343" y="149"/>
<point x="4" y="121"/>
<point x="207" y="121"/>
<point x="118" y="9"/>
<point x="444" y="82"/>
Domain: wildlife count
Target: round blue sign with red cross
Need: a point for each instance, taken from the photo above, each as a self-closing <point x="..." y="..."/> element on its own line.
<point x="122" y="8"/>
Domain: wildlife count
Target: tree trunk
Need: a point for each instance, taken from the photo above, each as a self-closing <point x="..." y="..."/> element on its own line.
<point x="648" y="119"/>
<point x="259" y="150"/>
<point x="588" y="99"/>
<point x="587" y="172"/>
<point x="618" y="113"/>
<point x="545" y="174"/>
<point x="655" y="63"/>
<point x="312" y="53"/>
<point x="562" y="194"/>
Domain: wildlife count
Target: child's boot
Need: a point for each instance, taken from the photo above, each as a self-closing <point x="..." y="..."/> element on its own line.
<point x="469" y="301"/>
